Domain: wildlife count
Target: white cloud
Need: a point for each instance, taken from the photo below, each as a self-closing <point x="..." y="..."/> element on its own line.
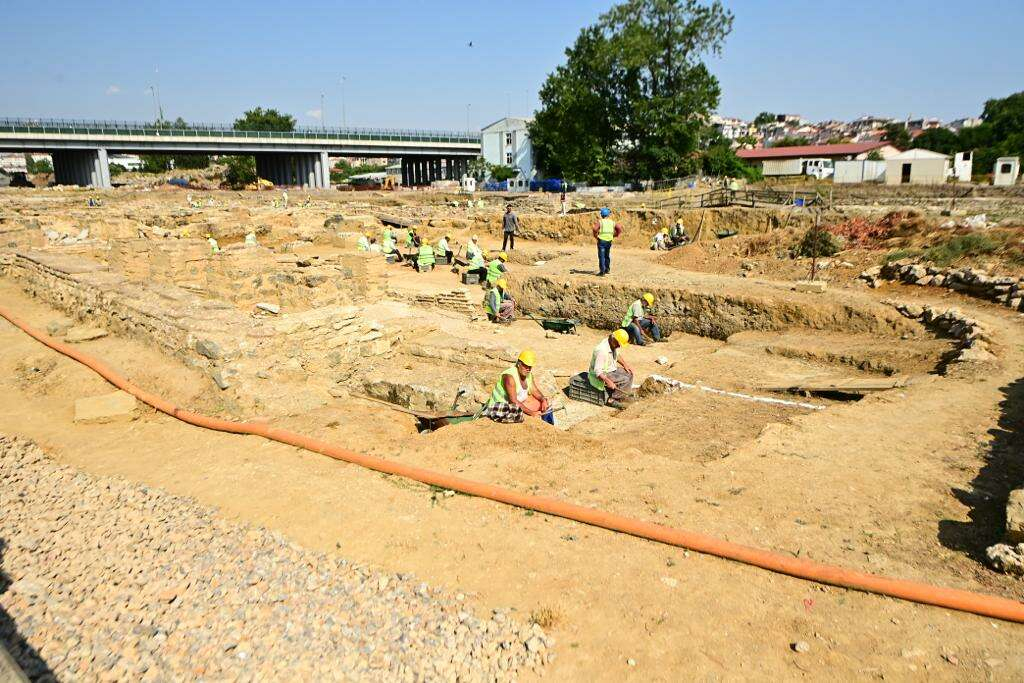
<point x="314" y="113"/>
<point x="113" y="89"/>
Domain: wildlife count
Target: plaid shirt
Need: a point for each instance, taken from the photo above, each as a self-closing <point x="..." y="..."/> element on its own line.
<point x="503" y="412"/>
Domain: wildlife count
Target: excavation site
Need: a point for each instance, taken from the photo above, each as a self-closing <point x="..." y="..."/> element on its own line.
<point x="855" y="417"/>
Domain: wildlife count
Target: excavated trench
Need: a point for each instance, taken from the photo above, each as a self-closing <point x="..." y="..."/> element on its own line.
<point x="717" y="315"/>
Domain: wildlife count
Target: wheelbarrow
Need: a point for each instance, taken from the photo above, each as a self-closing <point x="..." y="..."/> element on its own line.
<point x="560" y="325"/>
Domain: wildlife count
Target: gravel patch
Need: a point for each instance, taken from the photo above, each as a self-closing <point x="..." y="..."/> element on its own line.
<point x="102" y="579"/>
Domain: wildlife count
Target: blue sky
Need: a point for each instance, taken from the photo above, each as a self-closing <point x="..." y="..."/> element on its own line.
<point x="409" y="63"/>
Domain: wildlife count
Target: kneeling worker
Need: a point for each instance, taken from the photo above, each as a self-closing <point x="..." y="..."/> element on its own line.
<point x="515" y="394"/>
<point x="639" y="322"/>
<point x="499" y="304"/>
<point x="609" y="373"/>
<point x="444" y="249"/>
<point x="496" y="268"/>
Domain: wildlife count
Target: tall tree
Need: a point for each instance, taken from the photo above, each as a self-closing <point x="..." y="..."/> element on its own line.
<point x="633" y="95"/>
<point x="940" y="140"/>
<point x="764" y="118"/>
<point x="896" y="134"/>
<point x="265" y="119"/>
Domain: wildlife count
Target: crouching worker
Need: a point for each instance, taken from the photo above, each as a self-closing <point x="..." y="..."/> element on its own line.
<point x="499" y="304"/>
<point x="388" y="246"/>
<point x="425" y="258"/>
<point x="609" y="373"/>
<point x="639" y="322"/>
<point x="515" y="394"/>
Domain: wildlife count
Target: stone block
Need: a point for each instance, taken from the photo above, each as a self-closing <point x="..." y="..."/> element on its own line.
<point x="1015" y="517"/>
<point x="59" y="327"/>
<point x="115" y="406"/>
<point x="84" y="333"/>
<point x="814" y="286"/>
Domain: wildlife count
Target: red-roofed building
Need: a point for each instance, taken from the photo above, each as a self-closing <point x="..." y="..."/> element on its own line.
<point x="775" y="161"/>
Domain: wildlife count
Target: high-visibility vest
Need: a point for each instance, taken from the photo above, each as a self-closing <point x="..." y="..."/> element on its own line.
<point x="426" y="255"/>
<point x="442" y="245"/>
<point x="363" y="244"/>
<point x="635" y="310"/>
<point x="606" y="230"/>
<point x="499" y="395"/>
<point x="476" y="259"/>
<point x="494" y="270"/>
<point x="492" y="301"/>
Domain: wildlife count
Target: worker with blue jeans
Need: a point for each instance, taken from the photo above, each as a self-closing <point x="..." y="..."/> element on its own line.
<point x="639" y="322"/>
<point x="605" y="231"/>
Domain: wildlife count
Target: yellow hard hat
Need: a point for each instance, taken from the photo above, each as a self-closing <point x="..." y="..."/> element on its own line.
<point x="649" y="298"/>
<point x="501" y="282"/>
<point x="209" y="235"/>
<point x="503" y="256"/>
<point x="664" y="231"/>
<point x="621" y="336"/>
<point x="527" y="358"/>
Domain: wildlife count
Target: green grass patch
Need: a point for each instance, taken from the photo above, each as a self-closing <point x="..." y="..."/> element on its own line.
<point x="960" y="247"/>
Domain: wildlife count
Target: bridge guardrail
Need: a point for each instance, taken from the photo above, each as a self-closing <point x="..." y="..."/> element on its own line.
<point x="126" y="128"/>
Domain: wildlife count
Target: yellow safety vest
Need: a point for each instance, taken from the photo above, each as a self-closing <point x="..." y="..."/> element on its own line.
<point x="606" y="230"/>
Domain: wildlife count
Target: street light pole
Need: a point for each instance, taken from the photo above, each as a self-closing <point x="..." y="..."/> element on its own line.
<point x="341" y="82"/>
<point x="323" y="114"/>
<point x="468" y="129"/>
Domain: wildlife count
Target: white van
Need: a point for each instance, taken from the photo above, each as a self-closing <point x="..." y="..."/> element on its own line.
<point x="818" y="168"/>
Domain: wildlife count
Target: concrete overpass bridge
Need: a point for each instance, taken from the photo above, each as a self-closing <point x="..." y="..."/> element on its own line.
<point x="300" y="157"/>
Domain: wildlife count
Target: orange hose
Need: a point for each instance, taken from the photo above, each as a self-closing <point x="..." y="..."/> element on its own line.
<point x="952" y="598"/>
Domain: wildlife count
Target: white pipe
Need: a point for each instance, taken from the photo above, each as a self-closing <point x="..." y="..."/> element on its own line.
<point x="676" y="384"/>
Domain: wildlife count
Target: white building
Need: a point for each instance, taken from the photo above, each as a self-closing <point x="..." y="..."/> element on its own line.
<point x="506" y="142"/>
<point x="130" y="162"/>
<point x="960" y="124"/>
<point x="13" y="163"/>
<point x="1006" y="171"/>
<point x="730" y="127"/>
<point x="917" y="167"/>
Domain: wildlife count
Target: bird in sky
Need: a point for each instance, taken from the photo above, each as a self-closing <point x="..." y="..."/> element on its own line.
<point x="471" y="43"/>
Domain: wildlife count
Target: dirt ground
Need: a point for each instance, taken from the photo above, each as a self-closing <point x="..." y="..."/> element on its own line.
<point x="908" y="482"/>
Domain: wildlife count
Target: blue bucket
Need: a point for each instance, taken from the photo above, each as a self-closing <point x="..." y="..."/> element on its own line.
<point x="549" y="417"/>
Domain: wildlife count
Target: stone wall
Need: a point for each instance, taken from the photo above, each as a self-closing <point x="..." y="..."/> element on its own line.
<point x="1007" y="290"/>
<point x="238" y="350"/>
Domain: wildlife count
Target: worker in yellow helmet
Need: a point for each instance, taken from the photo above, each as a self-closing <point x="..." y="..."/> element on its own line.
<point x="499" y="304"/>
<point x="516" y="394"/>
<point x="639" y="320"/>
<point x="214" y="247"/>
<point x="364" y="242"/>
<point x="610" y="373"/>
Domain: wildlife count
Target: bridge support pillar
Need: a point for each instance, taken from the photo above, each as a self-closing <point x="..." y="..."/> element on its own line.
<point x="310" y="170"/>
<point x="86" y="168"/>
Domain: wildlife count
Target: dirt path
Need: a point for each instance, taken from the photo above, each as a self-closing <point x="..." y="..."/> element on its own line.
<point x="895" y="483"/>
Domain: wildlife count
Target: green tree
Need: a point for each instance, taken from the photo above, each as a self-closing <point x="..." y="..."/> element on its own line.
<point x="116" y="170"/>
<point x="41" y="166"/>
<point x="241" y="171"/>
<point x="500" y="173"/>
<point x="896" y="135"/>
<point x="816" y="243"/>
<point x="158" y="163"/>
<point x="940" y="140"/>
<point x="630" y="100"/>
<point x="478" y="168"/>
<point x="875" y="155"/>
<point x="265" y="119"/>
<point x="764" y="118"/>
<point x="791" y="141"/>
<point x="721" y="160"/>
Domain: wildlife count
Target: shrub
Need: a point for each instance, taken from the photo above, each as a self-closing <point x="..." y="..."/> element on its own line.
<point x="898" y="254"/>
<point x="818" y="242"/>
<point x="116" y="170"/>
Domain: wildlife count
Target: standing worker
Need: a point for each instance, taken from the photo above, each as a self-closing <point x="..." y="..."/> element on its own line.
<point x="516" y="394"/>
<point x="609" y="373"/>
<point x="509" y="226"/>
<point x="564" y="205"/>
<point x="605" y="231"/>
<point x="496" y="268"/>
<point x="639" y="321"/>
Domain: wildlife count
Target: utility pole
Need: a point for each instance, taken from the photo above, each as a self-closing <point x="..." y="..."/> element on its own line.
<point x="156" y="94"/>
<point x="156" y="105"/>
<point x="341" y="82"/>
<point x="468" y="106"/>
<point x="323" y="114"/>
